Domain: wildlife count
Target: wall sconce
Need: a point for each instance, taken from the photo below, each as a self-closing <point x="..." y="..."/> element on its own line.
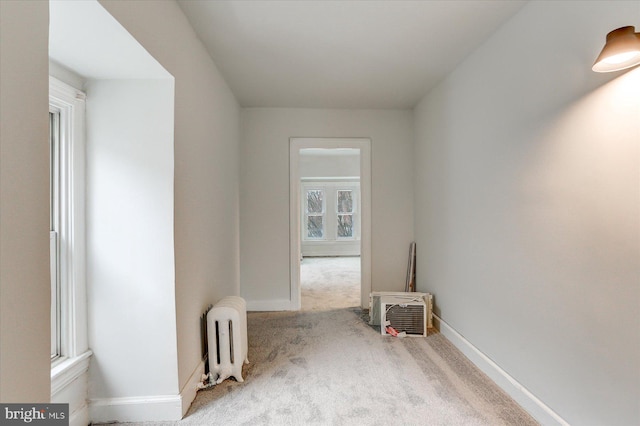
<point x="622" y="50"/>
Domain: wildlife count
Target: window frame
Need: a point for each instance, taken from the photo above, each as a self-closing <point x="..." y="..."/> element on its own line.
<point x="69" y="213"/>
<point x="330" y="187"/>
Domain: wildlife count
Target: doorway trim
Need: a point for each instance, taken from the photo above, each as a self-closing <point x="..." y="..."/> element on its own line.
<point x="364" y="145"/>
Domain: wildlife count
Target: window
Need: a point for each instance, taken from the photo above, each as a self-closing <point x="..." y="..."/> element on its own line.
<point x="345" y="213"/>
<point x="66" y="231"/>
<point x="315" y="214"/>
<point x="330" y="210"/>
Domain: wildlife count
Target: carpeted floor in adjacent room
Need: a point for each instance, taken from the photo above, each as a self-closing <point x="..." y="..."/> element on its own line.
<point x="324" y="365"/>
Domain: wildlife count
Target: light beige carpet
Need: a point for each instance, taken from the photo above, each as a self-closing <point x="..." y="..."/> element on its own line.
<point x="329" y="283"/>
<point x="326" y="366"/>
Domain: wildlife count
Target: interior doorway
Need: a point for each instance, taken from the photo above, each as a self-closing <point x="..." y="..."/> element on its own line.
<point x="330" y="221"/>
<point x="330" y="212"/>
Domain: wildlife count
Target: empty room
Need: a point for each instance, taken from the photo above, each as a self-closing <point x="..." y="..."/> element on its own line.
<point x="275" y="162"/>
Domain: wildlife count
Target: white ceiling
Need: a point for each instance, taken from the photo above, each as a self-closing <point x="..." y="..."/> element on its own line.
<point x="341" y="54"/>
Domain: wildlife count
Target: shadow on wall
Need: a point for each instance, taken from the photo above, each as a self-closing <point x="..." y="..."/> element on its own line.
<point x="589" y="147"/>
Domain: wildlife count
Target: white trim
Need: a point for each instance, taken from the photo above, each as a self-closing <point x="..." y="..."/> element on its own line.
<point x="269" y="305"/>
<point x="190" y="389"/>
<point x="136" y="409"/>
<point x="69" y="384"/>
<point x="69" y="371"/>
<point x="295" y="250"/>
<point x="65" y="372"/>
<point x="71" y="104"/>
<point x="331" y="179"/>
<point x="80" y="417"/>
<point x="538" y="409"/>
<point x="364" y="145"/>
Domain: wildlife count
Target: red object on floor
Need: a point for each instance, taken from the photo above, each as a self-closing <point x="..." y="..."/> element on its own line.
<point x="392" y="331"/>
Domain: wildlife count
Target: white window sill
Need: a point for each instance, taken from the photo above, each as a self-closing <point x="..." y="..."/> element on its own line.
<point x="67" y="370"/>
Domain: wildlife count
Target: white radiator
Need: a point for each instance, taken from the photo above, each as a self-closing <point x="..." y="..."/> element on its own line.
<point x="227" y="339"/>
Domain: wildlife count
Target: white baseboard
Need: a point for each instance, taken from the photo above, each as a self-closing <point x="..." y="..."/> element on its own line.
<point x="79" y="417"/>
<point x="151" y="408"/>
<point x="70" y="385"/>
<point x="136" y="409"/>
<point x="269" y="305"/>
<point x="190" y="389"/>
<point x="538" y="409"/>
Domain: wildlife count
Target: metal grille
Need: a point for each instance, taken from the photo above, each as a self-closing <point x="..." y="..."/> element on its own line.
<point x="407" y="318"/>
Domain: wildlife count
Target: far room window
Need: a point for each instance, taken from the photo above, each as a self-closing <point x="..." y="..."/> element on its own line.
<point x="315" y="214"/>
<point x="345" y="213"/>
<point x="329" y="211"/>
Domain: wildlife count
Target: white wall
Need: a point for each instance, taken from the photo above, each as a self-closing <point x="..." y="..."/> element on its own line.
<point x="24" y="203"/>
<point x="66" y="75"/>
<point x="206" y="228"/>
<point x="130" y="251"/>
<point x="264" y="196"/>
<point x="527" y="205"/>
<point x="330" y="165"/>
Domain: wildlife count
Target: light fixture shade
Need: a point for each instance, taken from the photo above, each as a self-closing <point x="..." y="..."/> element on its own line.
<point x="622" y="50"/>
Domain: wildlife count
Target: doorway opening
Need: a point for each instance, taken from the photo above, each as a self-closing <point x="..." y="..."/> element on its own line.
<point x="330" y="218"/>
<point x="328" y="283"/>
